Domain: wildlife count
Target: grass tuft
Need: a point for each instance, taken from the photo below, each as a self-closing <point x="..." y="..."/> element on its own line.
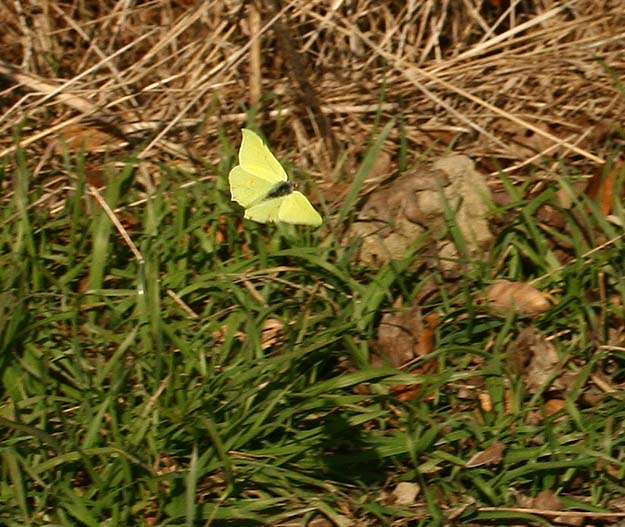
<point x="225" y="375"/>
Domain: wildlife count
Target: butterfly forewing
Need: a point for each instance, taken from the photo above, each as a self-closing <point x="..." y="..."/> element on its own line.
<point x="246" y="188"/>
<point x="256" y="158"/>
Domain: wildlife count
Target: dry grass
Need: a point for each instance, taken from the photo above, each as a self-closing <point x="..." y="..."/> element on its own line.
<point x="509" y="87"/>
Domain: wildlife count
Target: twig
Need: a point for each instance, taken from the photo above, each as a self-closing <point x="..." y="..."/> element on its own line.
<point x="120" y="228"/>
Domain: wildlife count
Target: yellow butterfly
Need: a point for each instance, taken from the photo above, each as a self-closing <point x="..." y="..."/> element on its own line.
<point x="259" y="184"/>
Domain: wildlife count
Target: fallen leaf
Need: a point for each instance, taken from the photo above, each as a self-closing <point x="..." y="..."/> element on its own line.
<point x="534" y="358"/>
<point x="485" y="403"/>
<point x="506" y="296"/>
<point x="552" y="217"/>
<point x="601" y="186"/>
<point x="546" y="500"/>
<point x="271" y="333"/>
<point x="405" y="493"/>
<point x="610" y="469"/>
<point x="523" y="142"/>
<point x="405" y="335"/>
<point x="402" y="336"/>
<point x="409" y="392"/>
<point x="491" y="456"/>
<point x="543" y="365"/>
<point x="571" y="521"/>
<point x="509" y="402"/>
<point x="221" y="231"/>
<point x="553" y="406"/>
<point x="565" y="197"/>
<point x="534" y="418"/>
<point x="85" y="136"/>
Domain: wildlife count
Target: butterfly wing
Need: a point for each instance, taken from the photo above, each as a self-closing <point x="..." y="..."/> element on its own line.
<point x="295" y="208"/>
<point x="256" y="158"/>
<point x="247" y="188"/>
<point x="257" y="173"/>
<point x="265" y="211"/>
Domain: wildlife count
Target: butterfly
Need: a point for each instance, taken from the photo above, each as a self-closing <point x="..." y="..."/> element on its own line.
<point x="259" y="184"/>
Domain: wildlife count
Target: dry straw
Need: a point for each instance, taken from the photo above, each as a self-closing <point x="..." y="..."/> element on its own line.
<point x="509" y="86"/>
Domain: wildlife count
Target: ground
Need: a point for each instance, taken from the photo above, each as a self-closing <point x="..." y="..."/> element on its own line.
<point x="166" y="362"/>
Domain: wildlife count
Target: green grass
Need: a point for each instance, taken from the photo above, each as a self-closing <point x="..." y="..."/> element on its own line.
<point x="121" y="407"/>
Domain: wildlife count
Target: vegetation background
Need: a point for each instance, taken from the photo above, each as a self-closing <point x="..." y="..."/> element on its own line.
<point x="164" y="362"/>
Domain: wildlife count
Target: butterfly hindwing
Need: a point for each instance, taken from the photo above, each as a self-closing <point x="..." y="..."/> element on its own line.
<point x="295" y="208"/>
<point x="265" y="211"/>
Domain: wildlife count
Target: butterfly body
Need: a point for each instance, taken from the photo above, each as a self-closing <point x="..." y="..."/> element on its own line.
<point x="259" y="184"/>
<point x="284" y="188"/>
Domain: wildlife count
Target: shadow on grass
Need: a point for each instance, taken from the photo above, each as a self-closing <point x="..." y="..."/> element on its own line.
<point x="348" y="456"/>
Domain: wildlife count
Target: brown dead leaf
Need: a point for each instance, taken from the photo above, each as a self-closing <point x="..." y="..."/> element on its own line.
<point x="402" y="337"/>
<point x="545" y="501"/>
<point x="271" y="333"/>
<point x="534" y="358"/>
<point x="609" y="468"/>
<point x="602" y="184"/>
<point x="485" y="402"/>
<point x="552" y="217"/>
<point x="399" y="336"/>
<point x="335" y="191"/>
<point x="425" y="343"/>
<point x="219" y="335"/>
<point x="405" y="493"/>
<point x="409" y="392"/>
<point x="83" y="136"/>
<point x="571" y="521"/>
<point x="221" y="231"/>
<point x="592" y="397"/>
<point x="553" y="406"/>
<point x="534" y="418"/>
<point x="548" y="501"/>
<point x="505" y="296"/>
<point x="565" y="198"/>
<point x="543" y="365"/>
<point x="491" y="456"/>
